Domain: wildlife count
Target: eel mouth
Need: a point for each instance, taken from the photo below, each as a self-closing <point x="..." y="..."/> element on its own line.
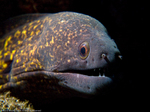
<point x="108" y="71"/>
<point x="96" y="72"/>
<point x="90" y="82"/>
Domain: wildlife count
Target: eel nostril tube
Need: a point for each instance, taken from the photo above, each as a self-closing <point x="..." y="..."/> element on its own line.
<point x="120" y="57"/>
<point x="105" y="57"/>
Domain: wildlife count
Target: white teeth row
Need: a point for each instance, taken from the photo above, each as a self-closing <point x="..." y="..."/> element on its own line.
<point x="101" y="75"/>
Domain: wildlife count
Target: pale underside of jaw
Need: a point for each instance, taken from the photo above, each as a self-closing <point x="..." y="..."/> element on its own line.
<point x="84" y="83"/>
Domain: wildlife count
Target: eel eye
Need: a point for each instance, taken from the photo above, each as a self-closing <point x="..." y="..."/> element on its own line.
<point x="84" y="50"/>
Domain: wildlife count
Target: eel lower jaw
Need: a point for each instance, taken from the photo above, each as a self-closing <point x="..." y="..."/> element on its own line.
<point x="89" y="82"/>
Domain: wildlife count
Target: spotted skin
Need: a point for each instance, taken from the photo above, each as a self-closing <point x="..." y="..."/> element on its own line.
<point x="35" y="54"/>
<point x="14" y="40"/>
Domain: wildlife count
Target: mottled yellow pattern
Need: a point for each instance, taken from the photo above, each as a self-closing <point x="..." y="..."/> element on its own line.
<point x="44" y="44"/>
<point x="15" y="40"/>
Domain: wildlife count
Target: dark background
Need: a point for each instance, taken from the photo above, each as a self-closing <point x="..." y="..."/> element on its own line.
<point x="127" y="24"/>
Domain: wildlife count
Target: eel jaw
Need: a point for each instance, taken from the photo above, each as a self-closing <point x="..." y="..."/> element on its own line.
<point x="92" y="81"/>
<point x="85" y="83"/>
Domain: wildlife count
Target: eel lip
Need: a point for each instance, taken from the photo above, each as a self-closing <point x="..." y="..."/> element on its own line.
<point x="101" y="72"/>
<point x="89" y="85"/>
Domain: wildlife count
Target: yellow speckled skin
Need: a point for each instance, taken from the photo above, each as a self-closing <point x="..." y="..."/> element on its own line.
<point x="36" y="48"/>
<point x="14" y="39"/>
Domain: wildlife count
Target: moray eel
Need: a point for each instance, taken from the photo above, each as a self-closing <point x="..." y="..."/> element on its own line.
<point x="55" y="55"/>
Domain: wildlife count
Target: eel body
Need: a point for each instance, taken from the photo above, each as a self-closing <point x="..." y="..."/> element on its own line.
<point x="55" y="55"/>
